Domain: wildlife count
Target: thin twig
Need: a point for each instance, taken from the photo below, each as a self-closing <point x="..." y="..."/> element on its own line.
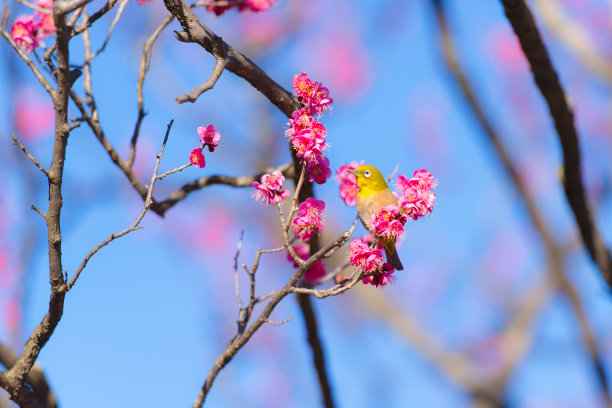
<point x="279" y="323"/>
<point x="236" y="284"/>
<point x="241" y="339"/>
<point x="169" y="172"/>
<point x="145" y="62"/>
<point x="32" y="159"/>
<point x="135" y="225"/>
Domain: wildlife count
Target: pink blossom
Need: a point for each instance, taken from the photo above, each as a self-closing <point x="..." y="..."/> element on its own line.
<point x="320" y="171"/>
<point x="348" y="183"/>
<point x="197" y="158"/>
<point x="47" y="26"/>
<point x="209" y="136"/>
<point x="316" y="271"/>
<point x="389" y="222"/>
<point x="307" y="136"/>
<point x="269" y="190"/>
<point x="25" y="32"/>
<point x="417" y="199"/>
<point x="311" y="93"/>
<point x="380" y="277"/>
<point x="309" y="221"/>
<point x="364" y="258"/>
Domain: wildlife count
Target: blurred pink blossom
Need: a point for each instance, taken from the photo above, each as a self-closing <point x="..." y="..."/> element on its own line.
<point x="316" y="271"/>
<point x="34" y="115"/>
<point x="25" y="32"/>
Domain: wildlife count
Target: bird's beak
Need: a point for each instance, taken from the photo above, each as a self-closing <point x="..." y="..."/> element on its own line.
<point x="355" y="172"/>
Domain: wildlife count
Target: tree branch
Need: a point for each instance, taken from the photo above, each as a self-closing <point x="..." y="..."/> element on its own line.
<point x="36" y="378"/>
<point x="547" y="80"/>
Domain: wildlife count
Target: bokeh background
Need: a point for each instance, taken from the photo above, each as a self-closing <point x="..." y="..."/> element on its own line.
<point x="153" y="310"/>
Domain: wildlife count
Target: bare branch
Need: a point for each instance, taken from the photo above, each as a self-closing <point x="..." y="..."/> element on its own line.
<point x="243" y="181"/>
<point x="169" y="172"/>
<point x="516" y="338"/>
<point x="547" y="80"/>
<point x="220" y="63"/>
<point x="36" y="379"/>
<point x="196" y="31"/>
<point x="318" y="356"/>
<point x="32" y="159"/>
<point x="279" y="323"/>
<point x="237" y="286"/>
<point x="135" y="225"/>
<point x="241" y="339"/>
<point x="90" y="57"/>
<point x="145" y="62"/>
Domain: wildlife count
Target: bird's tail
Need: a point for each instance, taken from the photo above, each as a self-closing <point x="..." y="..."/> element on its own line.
<point x="392" y="256"/>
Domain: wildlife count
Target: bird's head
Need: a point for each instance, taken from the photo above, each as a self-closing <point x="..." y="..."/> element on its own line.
<point x="369" y="178"/>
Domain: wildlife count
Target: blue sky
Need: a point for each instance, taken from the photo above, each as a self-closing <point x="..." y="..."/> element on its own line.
<point x="153" y="310"/>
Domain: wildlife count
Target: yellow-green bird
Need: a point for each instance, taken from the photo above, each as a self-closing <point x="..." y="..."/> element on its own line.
<point x="374" y="194"/>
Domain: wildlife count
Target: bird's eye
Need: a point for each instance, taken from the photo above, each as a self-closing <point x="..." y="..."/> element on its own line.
<point x="367" y="173"/>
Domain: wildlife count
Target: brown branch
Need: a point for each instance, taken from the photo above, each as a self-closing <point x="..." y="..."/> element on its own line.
<point x="554" y="252"/>
<point x="17" y="374"/>
<point x="314" y="341"/>
<point x="242" y="338"/>
<point x="195" y="31"/>
<point x="220" y="63"/>
<point x="36" y="378"/>
<point x="161" y="207"/>
<point x="547" y="80"/>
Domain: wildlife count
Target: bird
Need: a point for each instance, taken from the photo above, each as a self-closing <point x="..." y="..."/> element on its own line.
<point x="373" y="194"/>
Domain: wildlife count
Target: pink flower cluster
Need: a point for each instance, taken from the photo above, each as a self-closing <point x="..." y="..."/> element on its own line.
<point x="370" y="261"/>
<point x="417" y="197"/>
<point x="307" y="135"/>
<point x="309" y="221"/>
<point x="388" y="222"/>
<point x="242" y="5"/>
<point x="208" y="137"/>
<point x="270" y="189"/>
<point x="316" y="271"/>
<point x="348" y="182"/>
<point x="312" y="93"/>
<point x="29" y="31"/>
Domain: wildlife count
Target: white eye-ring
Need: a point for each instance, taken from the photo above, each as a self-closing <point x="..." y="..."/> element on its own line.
<point x="367" y="173"/>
